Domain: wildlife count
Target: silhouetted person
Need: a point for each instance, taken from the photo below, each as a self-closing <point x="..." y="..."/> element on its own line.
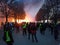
<point x="42" y="28"/>
<point x="51" y="27"/>
<point x="56" y="32"/>
<point x="17" y="27"/>
<point x="24" y="27"/>
<point x="38" y="24"/>
<point x="8" y="34"/>
<point x="33" y="32"/>
<point x="29" y="30"/>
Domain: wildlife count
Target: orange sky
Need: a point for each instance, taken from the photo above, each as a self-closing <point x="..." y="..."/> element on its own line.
<point x="28" y="18"/>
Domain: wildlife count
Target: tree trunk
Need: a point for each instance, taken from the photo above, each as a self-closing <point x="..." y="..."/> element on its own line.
<point x="6" y="17"/>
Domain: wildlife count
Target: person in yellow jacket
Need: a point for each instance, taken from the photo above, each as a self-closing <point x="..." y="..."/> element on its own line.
<point x="24" y="27"/>
<point x="8" y="35"/>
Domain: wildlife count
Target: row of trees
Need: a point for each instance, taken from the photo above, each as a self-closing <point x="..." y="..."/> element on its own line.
<point x="12" y="8"/>
<point x="47" y="9"/>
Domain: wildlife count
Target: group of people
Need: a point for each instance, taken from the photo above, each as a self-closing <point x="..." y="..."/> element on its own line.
<point x="32" y="27"/>
<point x="28" y="29"/>
<point x="53" y="28"/>
<point x="31" y="30"/>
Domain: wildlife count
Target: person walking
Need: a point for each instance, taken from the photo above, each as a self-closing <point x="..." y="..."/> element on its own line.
<point x="24" y="27"/>
<point x="42" y="28"/>
<point x="8" y="35"/>
<point x="56" y="33"/>
<point x="33" y="32"/>
<point x="29" y="30"/>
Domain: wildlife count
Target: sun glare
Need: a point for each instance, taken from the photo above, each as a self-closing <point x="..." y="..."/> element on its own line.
<point x="27" y="19"/>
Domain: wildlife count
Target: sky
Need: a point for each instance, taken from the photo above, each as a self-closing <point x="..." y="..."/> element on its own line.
<point x="31" y="6"/>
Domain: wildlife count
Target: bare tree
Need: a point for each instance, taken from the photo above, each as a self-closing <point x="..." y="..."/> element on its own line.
<point x="16" y="7"/>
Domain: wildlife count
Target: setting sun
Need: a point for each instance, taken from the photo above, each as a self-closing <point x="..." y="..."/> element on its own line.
<point x="28" y="18"/>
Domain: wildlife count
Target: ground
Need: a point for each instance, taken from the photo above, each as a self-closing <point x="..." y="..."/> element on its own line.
<point x="19" y="39"/>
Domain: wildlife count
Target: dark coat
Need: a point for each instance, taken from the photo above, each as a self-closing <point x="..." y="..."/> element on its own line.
<point x="7" y="32"/>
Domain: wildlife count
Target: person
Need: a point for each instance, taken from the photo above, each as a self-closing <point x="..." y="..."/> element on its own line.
<point x="1" y="30"/>
<point x="56" y="32"/>
<point x="33" y="32"/>
<point x="38" y="24"/>
<point x="17" y="27"/>
<point x="8" y="35"/>
<point x="24" y="27"/>
<point x="51" y="27"/>
<point x="42" y="28"/>
<point x="28" y="29"/>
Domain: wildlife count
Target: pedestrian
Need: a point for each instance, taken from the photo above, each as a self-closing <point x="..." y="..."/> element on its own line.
<point x="56" y="33"/>
<point x="33" y="32"/>
<point x="24" y="27"/>
<point x="51" y="27"/>
<point x="42" y="28"/>
<point x="28" y="29"/>
<point x="8" y="35"/>
<point x="17" y="27"/>
<point x="38" y="24"/>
